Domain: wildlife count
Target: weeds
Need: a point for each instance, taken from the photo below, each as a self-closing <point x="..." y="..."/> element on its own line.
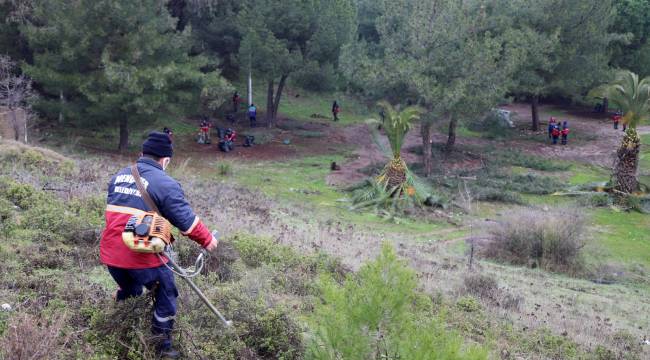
<point x="224" y="168"/>
<point x="487" y="289"/>
<point x="551" y="240"/>
<point x="31" y="337"/>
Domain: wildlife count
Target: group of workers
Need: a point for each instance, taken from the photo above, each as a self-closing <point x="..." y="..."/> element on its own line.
<point x="227" y="136"/>
<point x="557" y="130"/>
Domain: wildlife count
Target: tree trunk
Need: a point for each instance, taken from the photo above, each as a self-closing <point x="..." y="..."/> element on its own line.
<point x="534" y="104"/>
<point x="124" y="134"/>
<point x="605" y="105"/>
<point x="278" y="94"/>
<point x="627" y="163"/>
<point x="451" y="140"/>
<point x="425" y="131"/>
<point x="14" y="123"/>
<point x="62" y="104"/>
<point x="269" y="104"/>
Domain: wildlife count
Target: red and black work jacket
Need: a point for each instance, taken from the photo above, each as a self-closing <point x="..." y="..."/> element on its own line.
<point x="124" y="200"/>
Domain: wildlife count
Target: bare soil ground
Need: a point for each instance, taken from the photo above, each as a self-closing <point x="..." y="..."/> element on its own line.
<point x="592" y="141"/>
<point x="305" y="139"/>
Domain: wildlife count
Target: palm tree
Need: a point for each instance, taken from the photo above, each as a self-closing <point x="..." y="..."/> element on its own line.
<point x="633" y="98"/>
<point x="396" y="125"/>
<point x="395" y="181"/>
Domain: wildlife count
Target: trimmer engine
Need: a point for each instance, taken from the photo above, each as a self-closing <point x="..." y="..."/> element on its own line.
<point x="147" y="233"/>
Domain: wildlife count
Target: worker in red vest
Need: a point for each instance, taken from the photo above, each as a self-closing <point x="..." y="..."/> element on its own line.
<point x="617" y="119"/>
<point x="555" y="133"/>
<point x="551" y="124"/>
<point x="565" y="133"/>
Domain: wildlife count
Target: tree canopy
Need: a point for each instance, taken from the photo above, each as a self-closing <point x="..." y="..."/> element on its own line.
<point x="111" y="62"/>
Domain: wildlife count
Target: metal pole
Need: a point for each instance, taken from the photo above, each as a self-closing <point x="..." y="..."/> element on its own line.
<point x="198" y="291"/>
<point x="250" y="88"/>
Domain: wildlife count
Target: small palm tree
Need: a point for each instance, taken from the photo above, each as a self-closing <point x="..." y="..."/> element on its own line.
<point x="633" y="98"/>
<point x="395" y="182"/>
<point x="396" y="125"/>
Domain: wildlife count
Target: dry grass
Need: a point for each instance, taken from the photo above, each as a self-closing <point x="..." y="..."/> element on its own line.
<point x="29" y="337"/>
<point x="552" y="239"/>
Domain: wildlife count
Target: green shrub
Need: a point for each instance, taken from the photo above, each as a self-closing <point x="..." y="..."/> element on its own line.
<point x="7" y="221"/>
<point x="255" y="250"/>
<point x="22" y="195"/>
<point x="224" y="168"/>
<point x="468" y="304"/>
<point x="374" y="313"/>
<point x="552" y="240"/>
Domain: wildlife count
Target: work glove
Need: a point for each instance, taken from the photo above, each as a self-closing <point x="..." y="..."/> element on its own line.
<point x="212" y="246"/>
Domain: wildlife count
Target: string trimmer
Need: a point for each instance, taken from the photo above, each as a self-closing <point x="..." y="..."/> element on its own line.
<point x="189" y="273"/>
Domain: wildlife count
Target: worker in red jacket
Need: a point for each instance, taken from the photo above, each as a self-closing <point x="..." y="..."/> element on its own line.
<point x="565" y="133"/>
<point x="616" y="118"/>
<point x="134" y="270"/>
<point x="555" y="133"/>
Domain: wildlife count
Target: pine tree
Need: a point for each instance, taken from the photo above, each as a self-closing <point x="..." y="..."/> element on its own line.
<point x="112" y="62"/>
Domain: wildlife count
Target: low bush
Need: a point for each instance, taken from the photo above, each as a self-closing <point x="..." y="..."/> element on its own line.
<point x="552" y="240"/>
<point x="486" y="288"/>
<point x="224" y="168"/>
<point x="32" y="337"/>
<point x="35" y="159"/>
<point x="256" y="250"/>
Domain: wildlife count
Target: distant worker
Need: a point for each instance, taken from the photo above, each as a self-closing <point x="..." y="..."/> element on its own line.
<point x="336" y="109"/>
<point x="133" y="270"/>
<point x="252" y="115"/>
<point x="555" y="133"/>
<point x="551" y="124"/>
<point x="236" y="99"/>
<point x="204" y="131"/>
<point x="565" y="133"/>
<point x="617" y="119"/>
<point x="226" y="144"/>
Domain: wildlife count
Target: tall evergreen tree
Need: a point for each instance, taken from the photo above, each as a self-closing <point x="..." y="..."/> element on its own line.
<point x="280" y="37"/>
<point x="633" y="20"/>
<point x="566" y="48"/>
<point x="440" y="54"/>
<point x="12" y="42"/>
<point x="113" y="62"/>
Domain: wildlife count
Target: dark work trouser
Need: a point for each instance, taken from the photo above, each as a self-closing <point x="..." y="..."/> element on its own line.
<point x="161" y="281"/>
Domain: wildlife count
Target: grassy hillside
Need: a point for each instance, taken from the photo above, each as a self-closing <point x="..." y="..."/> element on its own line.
<point x="287" y="231"/>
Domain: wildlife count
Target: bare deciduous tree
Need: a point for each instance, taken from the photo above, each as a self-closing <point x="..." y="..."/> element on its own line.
<point x="15" y="92"/>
